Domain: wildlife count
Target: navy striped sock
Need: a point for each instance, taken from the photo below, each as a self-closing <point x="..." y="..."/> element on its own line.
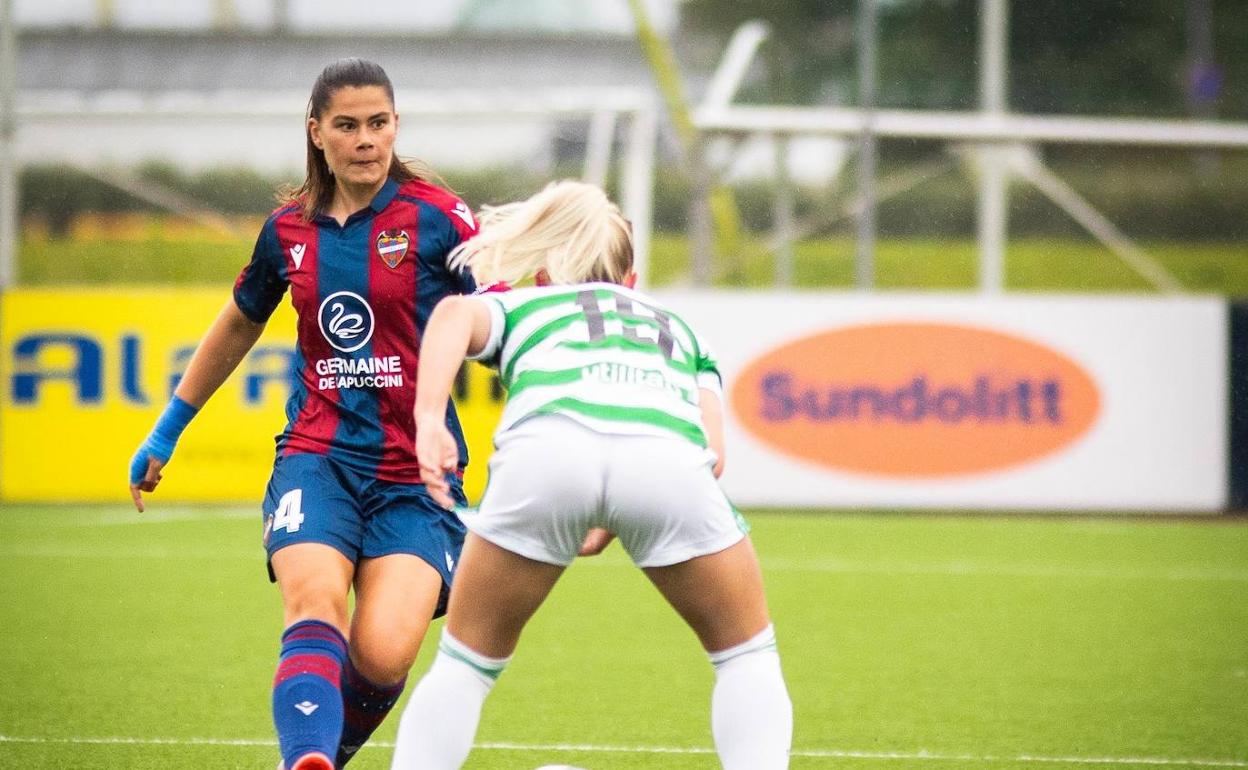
<point x="365" y="706"/>
<point x="307" y="702"/>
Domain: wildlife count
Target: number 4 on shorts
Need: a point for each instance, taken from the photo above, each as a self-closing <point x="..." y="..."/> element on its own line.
<point x="289" y="513"/>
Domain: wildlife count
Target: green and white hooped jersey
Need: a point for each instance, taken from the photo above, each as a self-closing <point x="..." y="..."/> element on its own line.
<point x="607" y="356"/>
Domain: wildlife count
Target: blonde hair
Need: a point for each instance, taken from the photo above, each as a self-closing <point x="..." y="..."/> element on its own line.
<point x="569" y="229"/>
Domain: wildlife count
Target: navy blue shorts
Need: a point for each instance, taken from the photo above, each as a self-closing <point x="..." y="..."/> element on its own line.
<point x="316" y="499"/>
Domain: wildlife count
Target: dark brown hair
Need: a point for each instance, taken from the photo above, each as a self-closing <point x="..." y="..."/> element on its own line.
<point x="317" y="191"/>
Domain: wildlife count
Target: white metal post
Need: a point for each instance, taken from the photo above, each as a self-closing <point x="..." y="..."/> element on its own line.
<point x="598" y="141"/>
<point x="8" y="140"/>
<point x="701" y="224"/>
<point x="865" y="263"/>
<point x="993" y="181"/>
<point x="785" y="207"/>
<point x="637" y="185"/>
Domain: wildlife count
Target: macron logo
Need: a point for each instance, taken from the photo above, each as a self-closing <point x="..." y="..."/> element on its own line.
<point x="296" y="253"/>
<point x="307" y="707"/>
<point x="461" y="211"/>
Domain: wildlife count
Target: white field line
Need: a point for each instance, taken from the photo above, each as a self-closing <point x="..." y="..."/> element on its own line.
<point x="155" y="514"/>
<point x="83" y="551"/>
<point x="603" y="749"/>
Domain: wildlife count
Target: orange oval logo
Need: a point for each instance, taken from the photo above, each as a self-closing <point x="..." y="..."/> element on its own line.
<point x="915" y="399"/>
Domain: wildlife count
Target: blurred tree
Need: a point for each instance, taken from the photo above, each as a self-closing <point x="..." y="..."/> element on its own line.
<point x="1108" y="57"/>
<point x="1129" y="57"/>
<point x="1102" y="57"/>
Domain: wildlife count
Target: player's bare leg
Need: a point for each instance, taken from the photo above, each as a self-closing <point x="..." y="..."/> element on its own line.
<point x="395" y="597"/>
<point x="500" y="592"/>
<point x="314" y="580"/>
<point x="307" y="705"/>
<point x="721" y="597"/>
<point x="495" y="594"/>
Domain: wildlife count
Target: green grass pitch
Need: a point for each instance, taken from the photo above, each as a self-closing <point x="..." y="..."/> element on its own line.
<point x="910" y="642"/>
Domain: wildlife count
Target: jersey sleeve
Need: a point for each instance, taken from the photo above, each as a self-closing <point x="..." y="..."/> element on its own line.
<point x="498" y="322"/>
<point x="448" y="229"/>
<point x="262" y="283"/>
<point x="464" y="226"/>
<point x="706" y="368"/>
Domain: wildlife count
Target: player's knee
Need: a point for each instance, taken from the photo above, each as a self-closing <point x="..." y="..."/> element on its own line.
<point x="384" y="659"/>
<point x="384" y="671"/>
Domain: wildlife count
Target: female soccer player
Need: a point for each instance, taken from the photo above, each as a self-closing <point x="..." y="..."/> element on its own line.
<point x="612" y="425"/>
<point x="362" y="247"/>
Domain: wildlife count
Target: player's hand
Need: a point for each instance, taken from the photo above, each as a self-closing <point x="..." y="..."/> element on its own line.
<point x="157" y="448"/>
<point x="144" y="475"/>
<point x="438" y="455"/>
<point x="596" y="540"/>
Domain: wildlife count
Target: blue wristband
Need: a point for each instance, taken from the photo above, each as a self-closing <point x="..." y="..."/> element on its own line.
<point x="161" y="441"/>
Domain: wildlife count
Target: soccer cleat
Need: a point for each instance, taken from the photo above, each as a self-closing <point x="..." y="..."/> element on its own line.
<point x="312" y="761"/>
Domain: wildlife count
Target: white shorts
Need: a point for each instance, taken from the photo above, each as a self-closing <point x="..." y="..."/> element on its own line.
<point x="553" y="479"/>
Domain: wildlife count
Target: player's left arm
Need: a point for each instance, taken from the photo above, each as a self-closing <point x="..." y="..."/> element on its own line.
<point x="710" y="399"/>
<point x="459" y="327"/>
<point x="713" y="421"/>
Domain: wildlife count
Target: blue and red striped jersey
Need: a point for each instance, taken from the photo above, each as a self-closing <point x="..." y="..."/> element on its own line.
<point x="363" y="292"/>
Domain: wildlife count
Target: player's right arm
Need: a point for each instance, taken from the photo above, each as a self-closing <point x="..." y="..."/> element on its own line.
<point x="227" y="342"/>
<point x="459" y="327"/>
<point x="257" y="292"/>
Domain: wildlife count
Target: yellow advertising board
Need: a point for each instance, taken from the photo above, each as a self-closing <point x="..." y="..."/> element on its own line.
<point x="86" y="372"/>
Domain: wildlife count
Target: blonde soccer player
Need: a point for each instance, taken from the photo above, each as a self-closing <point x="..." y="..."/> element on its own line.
<point x="612" y="428"/>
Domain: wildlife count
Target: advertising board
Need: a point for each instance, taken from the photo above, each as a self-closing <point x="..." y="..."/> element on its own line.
<point x="1026" y="402"/>
<point x="86" y="372"/>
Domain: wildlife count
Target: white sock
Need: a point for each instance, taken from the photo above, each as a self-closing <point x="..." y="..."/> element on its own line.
<point x="440" y="721"/>
<point x="751" y="715"/>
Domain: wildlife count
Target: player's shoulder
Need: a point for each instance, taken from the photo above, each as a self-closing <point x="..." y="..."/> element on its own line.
<point x="446" y="203"/>
<point x="442" y="199"/>
<point x="287" y="212"/>
<point x="511" y="297"/>
<point x="281" y="218"/>
<point x="287" y="208"/>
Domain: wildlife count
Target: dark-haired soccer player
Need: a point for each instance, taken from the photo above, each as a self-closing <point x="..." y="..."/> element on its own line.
<point x="362" y="248"/>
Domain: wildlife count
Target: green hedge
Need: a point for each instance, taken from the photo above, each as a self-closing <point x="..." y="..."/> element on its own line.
<point x="1174" y="195"/>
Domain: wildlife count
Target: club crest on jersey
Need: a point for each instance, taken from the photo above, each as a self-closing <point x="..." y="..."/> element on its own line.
<point x="346" y="321"/>
<point x="392" y="246"/>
